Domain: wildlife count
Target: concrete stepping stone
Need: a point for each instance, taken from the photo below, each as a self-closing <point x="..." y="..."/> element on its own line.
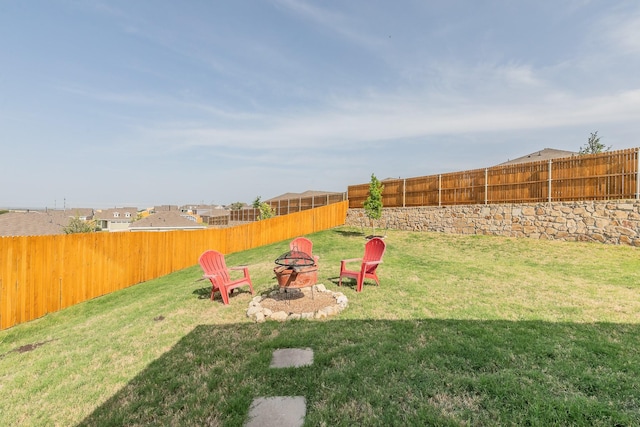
<point x="277" y="411"/>
<point x="292" y="358"/>
<point x="282" y="411"/>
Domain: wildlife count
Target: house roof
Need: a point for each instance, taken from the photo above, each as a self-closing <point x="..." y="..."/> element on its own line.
<point x="76" y="212"/>
<point x="544" y="154"/>
<point x="165" y="220"/>
<point x="110" y="214"/>
<point x="34" y="223"/>
<point x="214" y="212"/>
<point x="206" y="210"/>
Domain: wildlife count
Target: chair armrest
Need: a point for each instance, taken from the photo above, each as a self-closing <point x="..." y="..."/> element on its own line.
<point x="214" y="280"/>
<point x="351" y="260"/>
<point x="368" y="264"/>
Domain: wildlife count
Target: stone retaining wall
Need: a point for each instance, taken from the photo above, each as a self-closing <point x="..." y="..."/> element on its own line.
<point x="613" y="222"/>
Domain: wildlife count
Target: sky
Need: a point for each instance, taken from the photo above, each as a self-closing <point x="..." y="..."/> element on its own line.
<point x="152" y="102"/>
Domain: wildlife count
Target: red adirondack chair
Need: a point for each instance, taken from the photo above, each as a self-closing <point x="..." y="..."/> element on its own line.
<point x="373" y="252"/>
<point x="305" y="245"/>
<point x="216" y="270"/>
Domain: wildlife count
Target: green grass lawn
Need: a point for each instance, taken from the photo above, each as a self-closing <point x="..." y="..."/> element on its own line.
<point x="463" y="330"/>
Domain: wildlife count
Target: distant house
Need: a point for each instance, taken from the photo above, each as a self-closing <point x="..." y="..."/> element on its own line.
<point x="116" y="219"/>
<point x="217" y="216"/>
<point x="236" y="205"/>
<point x="202" y="210"/>
<point x="544" y="154"/>
<point x="202" y="213"/>
<point x="40" y="223"/>
<point x="166" y="221"/>
<point x="85" y="214"/>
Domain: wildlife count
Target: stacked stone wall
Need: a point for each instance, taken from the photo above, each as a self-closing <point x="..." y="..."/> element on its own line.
<point x="612" y="222"/>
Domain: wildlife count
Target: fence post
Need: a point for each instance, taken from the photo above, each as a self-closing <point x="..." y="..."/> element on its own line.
<point x="638" y="175"/>
<point x="550" y="161"/>
<point x="439" y="190"/>
<point x="404" y="192"/>
<point x="486" y="186"/>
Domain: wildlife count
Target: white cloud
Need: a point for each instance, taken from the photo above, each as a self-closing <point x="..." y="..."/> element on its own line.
<point x="390" y="118"/>
<point x="521" y="75"/>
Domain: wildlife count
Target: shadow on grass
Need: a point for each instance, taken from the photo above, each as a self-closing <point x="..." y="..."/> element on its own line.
<point x="379" y="372"/>
<point x="347" y="233"/>
<point x="347" y="283"/>
<point x="205" y="293"/>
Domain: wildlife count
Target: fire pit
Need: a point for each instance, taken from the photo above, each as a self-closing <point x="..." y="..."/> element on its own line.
<point x="296" y="269"/>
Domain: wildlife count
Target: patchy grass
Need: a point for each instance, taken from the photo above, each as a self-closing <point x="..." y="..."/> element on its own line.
<point x="464" y="330"/>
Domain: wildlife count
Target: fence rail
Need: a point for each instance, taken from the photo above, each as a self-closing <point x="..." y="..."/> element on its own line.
<point x="605" y="176"/>
<point x="288" y="206"/>
<point x="44" y="274"/>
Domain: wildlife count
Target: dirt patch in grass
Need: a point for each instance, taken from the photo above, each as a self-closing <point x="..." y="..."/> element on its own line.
<point x="26" y="348"/>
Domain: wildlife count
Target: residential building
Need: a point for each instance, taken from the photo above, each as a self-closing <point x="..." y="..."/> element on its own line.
<point x="544" y="154"/>
<point x="116" y="219"/>
<point x="40" y="222"/>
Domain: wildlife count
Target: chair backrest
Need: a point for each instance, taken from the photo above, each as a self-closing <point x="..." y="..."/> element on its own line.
<point x="374" y="250"/>
<point x="302" y="244"/>
<point x="212" y="262"/>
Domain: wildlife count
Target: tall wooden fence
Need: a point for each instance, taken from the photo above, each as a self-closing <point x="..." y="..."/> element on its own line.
<point x="43" y="274"/>
<point x="605" y="176"/>
<point x="288" y="206"/>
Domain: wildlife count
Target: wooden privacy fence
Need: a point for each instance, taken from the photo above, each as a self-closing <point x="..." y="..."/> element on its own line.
<point x="43" y="274"/>
<point x="288" y="206"/>
<point x="605" y="176"/>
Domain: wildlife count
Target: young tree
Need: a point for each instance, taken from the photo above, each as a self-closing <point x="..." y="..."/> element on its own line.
<point x="76" y="225"/>
<point x="373" y="203"/>
<point x="236" y="206"/>
<point x="266" y="211"/>
<point x="593" y="145"/>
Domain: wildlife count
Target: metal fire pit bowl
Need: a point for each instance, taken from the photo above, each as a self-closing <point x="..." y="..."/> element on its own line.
<point x="296" y="269"/>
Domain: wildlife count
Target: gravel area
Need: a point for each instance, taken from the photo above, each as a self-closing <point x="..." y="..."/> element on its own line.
<point x="298" y="302"/>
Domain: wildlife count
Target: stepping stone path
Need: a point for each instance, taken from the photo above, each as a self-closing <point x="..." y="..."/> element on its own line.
<point x="282" y="411"/>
